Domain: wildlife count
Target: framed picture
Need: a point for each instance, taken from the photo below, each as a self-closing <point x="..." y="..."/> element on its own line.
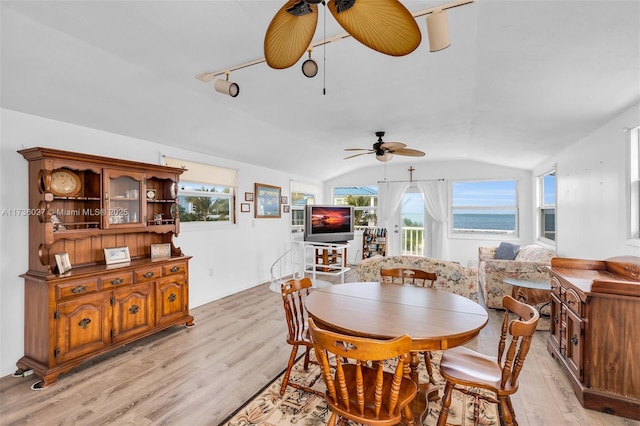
<point x="116" y="255"/>
<point x="267" y="201"/>
<point x="245" y="207"/>
<point x="62" y="262"/>
<point x="160" y="250"/>
<point x="248" y="196"/>
<point x="284" y="199"/>
<point x="285" y="208"/>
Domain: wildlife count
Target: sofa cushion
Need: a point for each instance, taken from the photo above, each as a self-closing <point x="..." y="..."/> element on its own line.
<point x="535" y="253"/>
<point x="507" y="251"/>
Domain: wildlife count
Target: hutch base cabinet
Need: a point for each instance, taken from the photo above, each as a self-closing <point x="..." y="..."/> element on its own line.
<point x="595" y="332"/>
<point x="80" y="300"/>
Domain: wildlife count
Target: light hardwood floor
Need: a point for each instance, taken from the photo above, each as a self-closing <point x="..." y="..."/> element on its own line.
<point x="200" y="375"/>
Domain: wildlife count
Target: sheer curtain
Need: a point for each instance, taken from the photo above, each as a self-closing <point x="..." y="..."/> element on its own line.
<point x="434" y="194"/>
<point x="389" y="198"/>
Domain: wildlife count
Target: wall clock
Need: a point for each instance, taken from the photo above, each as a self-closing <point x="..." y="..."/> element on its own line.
<point x="65" y="182"/>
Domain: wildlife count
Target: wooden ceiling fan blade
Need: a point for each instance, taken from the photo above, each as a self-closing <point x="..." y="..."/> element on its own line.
<point x="393" y="145"/>
<point x="383" y="25"/>
<point x="290" y="33"/>
<point x="409" y="152"/>
<point x="357" y="155"/>
<point x="357" y="149"/>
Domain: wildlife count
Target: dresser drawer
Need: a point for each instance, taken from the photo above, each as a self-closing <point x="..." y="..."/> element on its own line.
<point x="556" y="288"/>
<point x="572" y="300"/>
<point x="147" y="274"/>
<point x="76" y="288"/>
<point x="117" y="279"/>
<point x="174" y="268"/>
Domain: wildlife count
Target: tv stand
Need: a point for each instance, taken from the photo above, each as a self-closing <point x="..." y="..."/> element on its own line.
<point x="327" y="259"/>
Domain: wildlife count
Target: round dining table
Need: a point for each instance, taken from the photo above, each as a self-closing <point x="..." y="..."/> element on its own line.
<point x="435" y="319"/>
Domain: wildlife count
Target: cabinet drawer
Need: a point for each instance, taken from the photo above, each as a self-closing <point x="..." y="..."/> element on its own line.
<point x="148" y="274"/>
<point x="174" y="268"/>
<point x="573" y="301"/>
<point x="113" y="280"/>
<point x="556" y="288"/>
<point x="76" y="288"/>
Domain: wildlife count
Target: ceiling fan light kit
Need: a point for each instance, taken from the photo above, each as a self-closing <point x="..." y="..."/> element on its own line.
<point x="309" y="67"/>
<point x="384" y="150"/>
<point x="438" y="30"/>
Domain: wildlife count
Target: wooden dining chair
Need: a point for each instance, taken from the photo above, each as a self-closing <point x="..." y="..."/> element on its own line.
<point x="361" y="390"/>
<point x="418" y="278"/>
<point x="294" y="293"/>
<point x="464" y="368"/>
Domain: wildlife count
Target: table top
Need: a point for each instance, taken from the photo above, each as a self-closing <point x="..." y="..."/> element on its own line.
<point x="538" y="285"/>
<point x="435" y="319"/>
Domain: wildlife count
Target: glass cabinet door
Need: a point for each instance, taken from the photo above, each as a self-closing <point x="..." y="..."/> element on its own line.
<point x="123" y="205"/>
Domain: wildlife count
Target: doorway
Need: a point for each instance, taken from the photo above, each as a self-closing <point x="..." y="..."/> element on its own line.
<point x="412" y="223"/>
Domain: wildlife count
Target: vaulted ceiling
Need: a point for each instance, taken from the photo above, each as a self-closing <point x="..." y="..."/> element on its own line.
<point x="521" y="79"/>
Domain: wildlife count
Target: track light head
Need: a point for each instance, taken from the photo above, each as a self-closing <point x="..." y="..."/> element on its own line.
<point x="438" y="30"/>
<point x="227" y="87"/>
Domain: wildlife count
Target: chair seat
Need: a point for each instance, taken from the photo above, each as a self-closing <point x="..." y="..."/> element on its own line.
<point x="472" y="368"/>
<point x="408" y="390"/>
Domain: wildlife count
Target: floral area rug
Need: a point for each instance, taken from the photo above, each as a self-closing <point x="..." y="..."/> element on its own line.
<point x="297" y="407"/>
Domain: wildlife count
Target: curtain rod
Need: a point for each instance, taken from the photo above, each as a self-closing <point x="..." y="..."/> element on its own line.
<point x="411" y="181"/>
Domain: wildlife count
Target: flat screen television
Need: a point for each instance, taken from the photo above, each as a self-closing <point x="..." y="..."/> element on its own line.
<point x="328" y="224"/>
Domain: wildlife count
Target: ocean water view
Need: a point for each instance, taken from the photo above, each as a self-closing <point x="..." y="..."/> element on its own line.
<point x="483" y="221"/>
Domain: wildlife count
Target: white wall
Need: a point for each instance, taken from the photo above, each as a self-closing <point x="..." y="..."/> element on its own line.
<point x="592" y="192"/>
<point x="239" y="255"/>
<point x="460" y="248"/>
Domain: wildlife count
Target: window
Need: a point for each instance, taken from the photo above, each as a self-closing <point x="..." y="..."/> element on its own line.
<point x="547" y="206"/>
<point x="484" y="207"/>
<point x="206" y="193"/>
<point x="301" y="195"/>
<point x="634" y="186"/>
<point x="365" y="202"/>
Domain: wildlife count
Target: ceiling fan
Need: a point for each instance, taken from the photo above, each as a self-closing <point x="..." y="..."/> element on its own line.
<point x="384" y="150"/>
<point x="385" y="26"/>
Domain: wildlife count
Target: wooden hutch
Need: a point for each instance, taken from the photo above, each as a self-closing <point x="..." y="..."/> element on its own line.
<point x="79" y="205"/>
<point x="595" y="331"/>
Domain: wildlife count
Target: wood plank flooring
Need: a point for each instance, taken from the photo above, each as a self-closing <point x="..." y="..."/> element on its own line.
<point x="200" y="375"/>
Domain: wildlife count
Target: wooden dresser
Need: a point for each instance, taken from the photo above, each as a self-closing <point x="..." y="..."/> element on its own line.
<point x="79" y="205"/>
<point x="595" y="331"/>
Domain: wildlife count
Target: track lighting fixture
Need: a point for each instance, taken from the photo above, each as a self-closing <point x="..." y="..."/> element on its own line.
<point x="309" y="67"/>
<point x="438" y="30"/>
<point x="227" y="87"/>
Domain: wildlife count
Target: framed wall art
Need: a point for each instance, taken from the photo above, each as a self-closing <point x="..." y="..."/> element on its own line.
<point x="248" y="196"/>
<point x="267" y="201"/>
<point x="284" y="199"/>
<point x="285" y="208"/>
<point x="116" y="255"/>
<point x="245" y="207"/>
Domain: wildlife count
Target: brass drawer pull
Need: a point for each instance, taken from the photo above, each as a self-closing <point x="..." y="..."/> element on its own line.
<point x="84" y="323"/>
<point x="172" y="297"/>
<point x="117" y="281"/>
<point x="79" y="289"/>
<point x="175" y="269"/>
<point x="134" y="309"/>
<point x="148" y="275"/>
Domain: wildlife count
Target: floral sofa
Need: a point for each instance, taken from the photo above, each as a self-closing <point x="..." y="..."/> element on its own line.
<point x="531" y="263"/>
<point x="451" y="276"/>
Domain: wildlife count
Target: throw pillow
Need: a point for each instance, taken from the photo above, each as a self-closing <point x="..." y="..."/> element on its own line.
<point x="507" y="251"/>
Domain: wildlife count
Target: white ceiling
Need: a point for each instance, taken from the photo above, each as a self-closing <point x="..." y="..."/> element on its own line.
<point x="521" y="80"/>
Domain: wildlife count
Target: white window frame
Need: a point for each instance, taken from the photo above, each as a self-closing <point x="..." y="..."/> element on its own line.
<point x="490" y="234"/>
<point x="633" y="187"/>
<point x="206" y="174"/>
<point x="542" y="207"/>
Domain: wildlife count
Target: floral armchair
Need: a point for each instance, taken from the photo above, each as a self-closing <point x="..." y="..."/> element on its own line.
<point x="452" y="276"/>
<point x="531" y="263"/>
